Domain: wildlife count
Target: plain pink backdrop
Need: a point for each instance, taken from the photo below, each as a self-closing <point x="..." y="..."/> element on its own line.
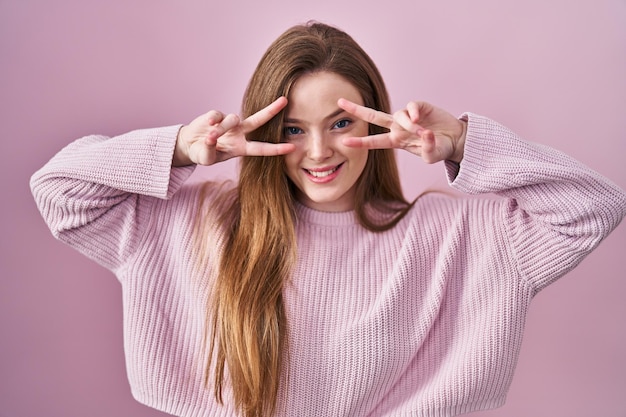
<point x="554" y="71"/>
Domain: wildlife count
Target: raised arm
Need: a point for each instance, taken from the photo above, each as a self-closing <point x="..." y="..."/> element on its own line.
<point x="98" y="192"/>
<point x="557" y="210"/>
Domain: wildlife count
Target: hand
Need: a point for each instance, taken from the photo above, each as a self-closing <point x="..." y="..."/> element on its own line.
<point x="420" y="128"/>
<point x="215" y="137"/>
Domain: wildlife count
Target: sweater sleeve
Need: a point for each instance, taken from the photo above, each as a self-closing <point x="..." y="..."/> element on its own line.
<point x="556" y="211"/>
<point x="96" y="194"/>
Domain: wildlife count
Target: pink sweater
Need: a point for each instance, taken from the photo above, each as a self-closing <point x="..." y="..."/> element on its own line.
<point x="425" y="319"/>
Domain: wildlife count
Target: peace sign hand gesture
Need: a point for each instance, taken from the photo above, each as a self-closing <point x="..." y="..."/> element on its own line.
<point x="420" y="128"/>
<point x="215" y="137"/>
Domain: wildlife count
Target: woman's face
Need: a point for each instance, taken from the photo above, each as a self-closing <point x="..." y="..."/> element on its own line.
<point x="322" y="168"/>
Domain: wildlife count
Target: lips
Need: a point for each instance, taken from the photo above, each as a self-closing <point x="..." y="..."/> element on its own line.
<point x="322" y="175"/>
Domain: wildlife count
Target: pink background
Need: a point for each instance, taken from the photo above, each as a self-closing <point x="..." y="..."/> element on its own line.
<point x="554" y="71"/>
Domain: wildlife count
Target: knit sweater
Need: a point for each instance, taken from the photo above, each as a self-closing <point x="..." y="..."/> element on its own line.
<point x="425" y="319"/>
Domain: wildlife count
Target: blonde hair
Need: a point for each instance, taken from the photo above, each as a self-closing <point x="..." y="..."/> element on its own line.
<point x="248" y="324"/>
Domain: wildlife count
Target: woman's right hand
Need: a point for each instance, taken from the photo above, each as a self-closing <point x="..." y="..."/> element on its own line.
<point x="215" y="137"/>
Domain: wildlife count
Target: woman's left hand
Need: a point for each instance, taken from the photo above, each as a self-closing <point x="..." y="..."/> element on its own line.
<point x="420" y="128"/>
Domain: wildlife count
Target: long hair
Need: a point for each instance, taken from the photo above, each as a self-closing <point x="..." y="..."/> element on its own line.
<point x="249" y="333"/>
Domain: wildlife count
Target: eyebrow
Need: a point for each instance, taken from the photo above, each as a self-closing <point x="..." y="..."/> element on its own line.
<point x="330" y="116"/>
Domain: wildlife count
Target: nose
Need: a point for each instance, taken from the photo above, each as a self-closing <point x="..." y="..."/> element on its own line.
<point x="319" y="147"/>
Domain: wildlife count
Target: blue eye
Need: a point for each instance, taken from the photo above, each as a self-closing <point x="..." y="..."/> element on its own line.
<point x="292" y="130"/>
<point x="343" y="123"/>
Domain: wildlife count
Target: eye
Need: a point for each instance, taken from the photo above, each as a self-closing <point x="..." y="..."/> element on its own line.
<point x="343" y="123"/>
<point x="292" y="130"/>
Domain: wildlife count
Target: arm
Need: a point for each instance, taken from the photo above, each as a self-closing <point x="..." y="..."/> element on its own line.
<point x="557" y="210"/>
<point x="97" y="193"/>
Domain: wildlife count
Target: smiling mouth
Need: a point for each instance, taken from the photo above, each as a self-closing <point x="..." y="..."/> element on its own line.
<point x="323" y="174"/>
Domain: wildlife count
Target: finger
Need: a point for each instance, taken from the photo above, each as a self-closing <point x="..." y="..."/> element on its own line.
<point x="207" y="155"/>
<point x="381" y="141"/>
<point x="264" y="115"/>
<point x="372" y="116"/>
<point x="428" y="141"/>
<point x="428" y="147"/>
<point x="214" y="117"/>
<point x="404" y="120"/>
<point x="228" y="122"/>
<point x="255" y="148"/>
<point x="413" y="111"/>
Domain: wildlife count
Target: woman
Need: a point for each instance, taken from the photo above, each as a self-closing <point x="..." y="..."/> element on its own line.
<point x="312" y="287"/>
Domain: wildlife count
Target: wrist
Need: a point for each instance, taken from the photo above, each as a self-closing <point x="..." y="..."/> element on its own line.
<point x="459" y="144"/>
<point x="180" y="157"/>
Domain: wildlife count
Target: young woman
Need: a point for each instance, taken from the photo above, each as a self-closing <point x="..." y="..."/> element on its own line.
<point x="311" y="287"/>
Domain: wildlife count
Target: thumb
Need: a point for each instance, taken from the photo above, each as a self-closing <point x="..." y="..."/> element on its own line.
<point x="429" y="147"/>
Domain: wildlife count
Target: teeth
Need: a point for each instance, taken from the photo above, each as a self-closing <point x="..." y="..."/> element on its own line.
<point x="320" y="174"/>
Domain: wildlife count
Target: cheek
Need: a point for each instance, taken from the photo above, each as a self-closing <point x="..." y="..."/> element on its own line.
<point x="358" y="156"/>
<point x="363" y="155"/>
<point x="291" y="163"/>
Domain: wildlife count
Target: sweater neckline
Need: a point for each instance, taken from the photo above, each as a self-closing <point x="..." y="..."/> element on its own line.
<point x="308" y="215"/>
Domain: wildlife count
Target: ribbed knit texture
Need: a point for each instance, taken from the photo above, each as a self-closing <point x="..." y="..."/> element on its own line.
<point x="423" y="320"/>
